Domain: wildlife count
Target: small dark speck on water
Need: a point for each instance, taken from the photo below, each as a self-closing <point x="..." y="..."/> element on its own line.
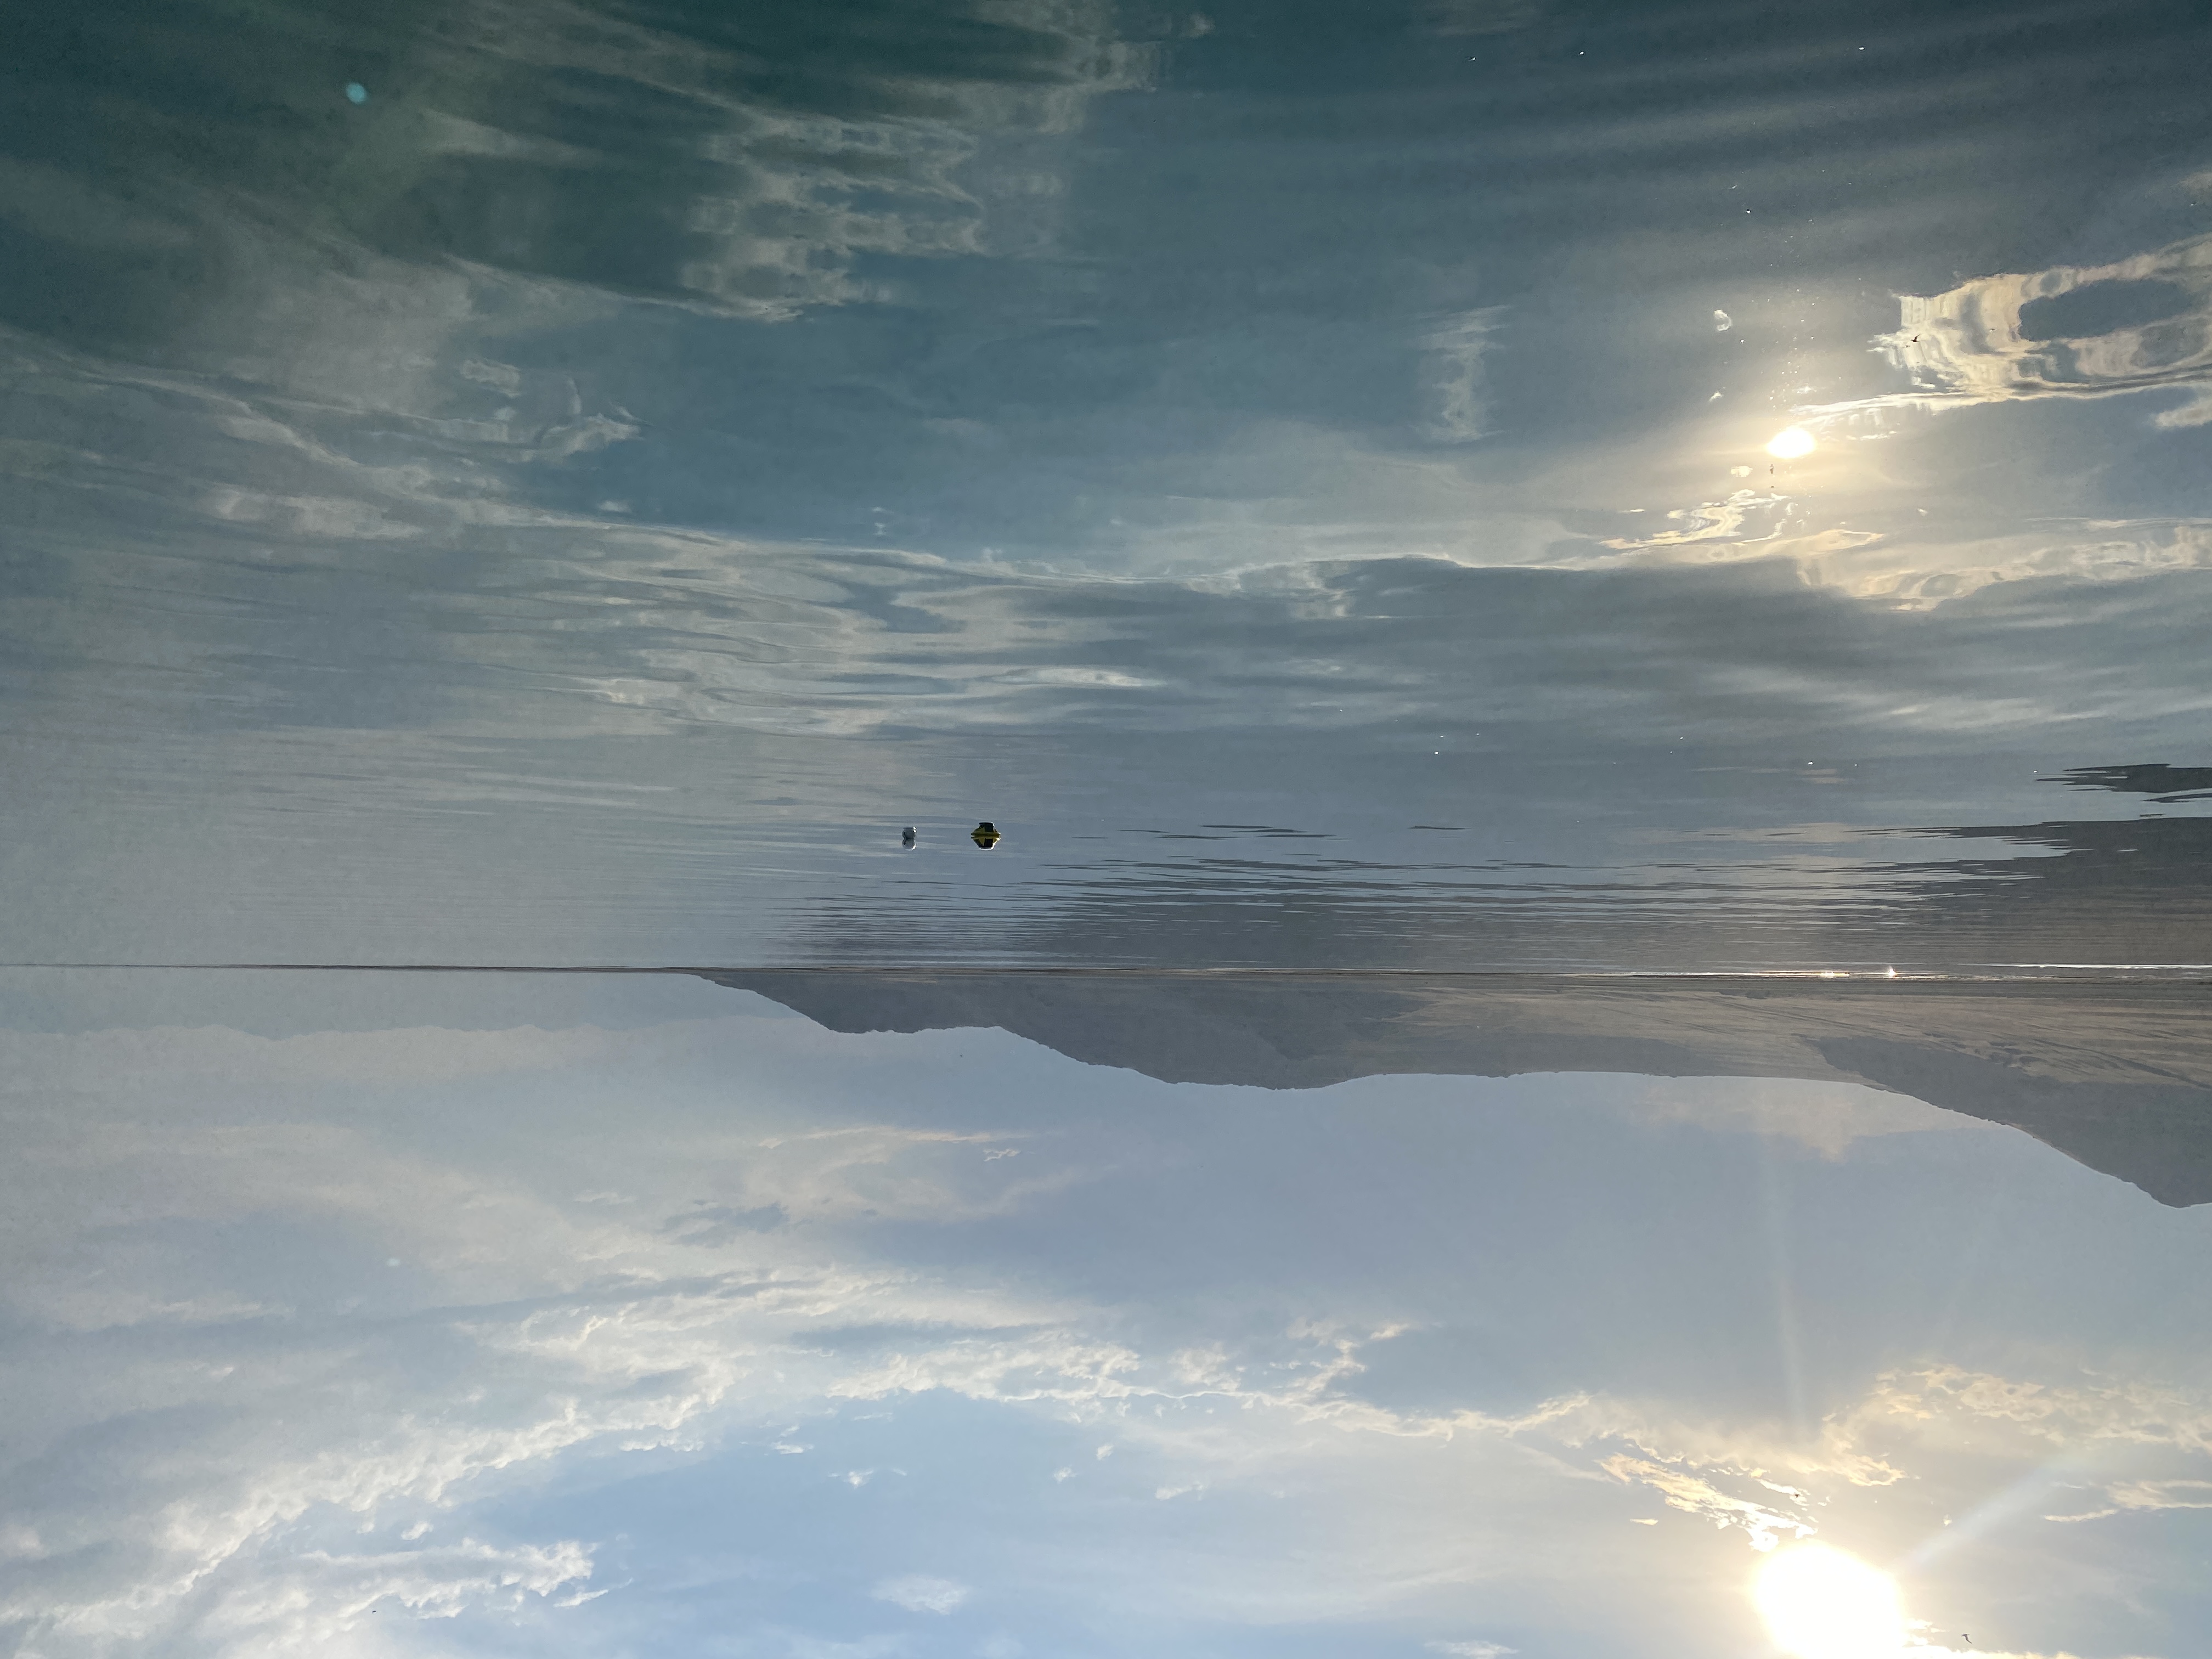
<point x="906" y="836"/>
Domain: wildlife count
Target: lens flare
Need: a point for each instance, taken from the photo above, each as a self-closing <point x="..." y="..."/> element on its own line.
<point x="1820" y="1603"/>
<point x="1789" y="443"/>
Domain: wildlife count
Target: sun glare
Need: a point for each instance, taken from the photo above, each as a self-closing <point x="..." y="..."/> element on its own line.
<point x="1789" y="443"/>
<point x="1820" y="1603"/>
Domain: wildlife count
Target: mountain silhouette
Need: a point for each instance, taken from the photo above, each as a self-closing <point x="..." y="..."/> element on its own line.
<point x="2115" y="1075"/>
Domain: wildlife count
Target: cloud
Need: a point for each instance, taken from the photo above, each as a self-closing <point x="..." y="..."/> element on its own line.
<point x="2064" y="331"/>
<point x="745" y="166"/>
<point x="1863" y="527"/>
<point x="1903" y="1418"/>
<point x="1825" y="1118"/>
<point x="1693" y="1496"/>
<point x="1451" y="376"/>
<point x="265" y="1454"/>
<point x="2136" y="1497"/>
<point x="1742" y="521"/>
<point x="2162" y="1494"/>
<point x="1918" y="1420"/>
<point x="719" y="632"/>
<point x="530" y="1329"/>
<point x="1301" y="1383"/>
<point x="919" y="1592"/>
<point x="310" y="1599"/>
<point x="1472" y="1649"/>
<point x="1906" y="570"/>
<point x="347" y="375"/>
<point x="1972" y="1405"/>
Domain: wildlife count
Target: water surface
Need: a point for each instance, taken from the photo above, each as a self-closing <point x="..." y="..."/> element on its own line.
<point x="1304" y="474"/>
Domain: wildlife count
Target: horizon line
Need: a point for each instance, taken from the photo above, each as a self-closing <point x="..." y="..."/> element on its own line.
<point x="1988" y="973"/>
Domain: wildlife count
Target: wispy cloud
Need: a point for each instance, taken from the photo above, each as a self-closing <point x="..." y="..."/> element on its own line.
<point x="1693" y="1495"/>
<point x="2059" y="332"/>
<point x="1826" y="1118"/>
<point x="1456" y="410"/>
<point x="919" y="1592"/>
<point x="2135" y="1497"/>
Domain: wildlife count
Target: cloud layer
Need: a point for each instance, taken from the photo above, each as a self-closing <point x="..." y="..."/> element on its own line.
<point x="322" y="1336"/>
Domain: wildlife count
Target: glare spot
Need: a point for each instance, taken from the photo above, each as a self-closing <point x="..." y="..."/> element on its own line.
<point x="1819" y="1603"/>
<point x="1789" y="443"/>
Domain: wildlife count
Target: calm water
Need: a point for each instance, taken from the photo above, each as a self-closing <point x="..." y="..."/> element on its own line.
<point x="1583" y="628"/>
<point x="1301" y="471"/>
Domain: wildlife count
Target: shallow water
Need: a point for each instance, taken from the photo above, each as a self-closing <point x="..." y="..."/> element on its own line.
<point x="1583" y="628"/>
<point x="580" y="502"/>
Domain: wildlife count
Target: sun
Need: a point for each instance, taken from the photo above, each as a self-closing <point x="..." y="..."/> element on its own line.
<point x="1789" y="443"/>
<point x="1820" y="1603"/>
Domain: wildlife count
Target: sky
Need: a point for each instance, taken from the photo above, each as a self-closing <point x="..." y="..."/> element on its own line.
<point x="668" y="1322"/>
